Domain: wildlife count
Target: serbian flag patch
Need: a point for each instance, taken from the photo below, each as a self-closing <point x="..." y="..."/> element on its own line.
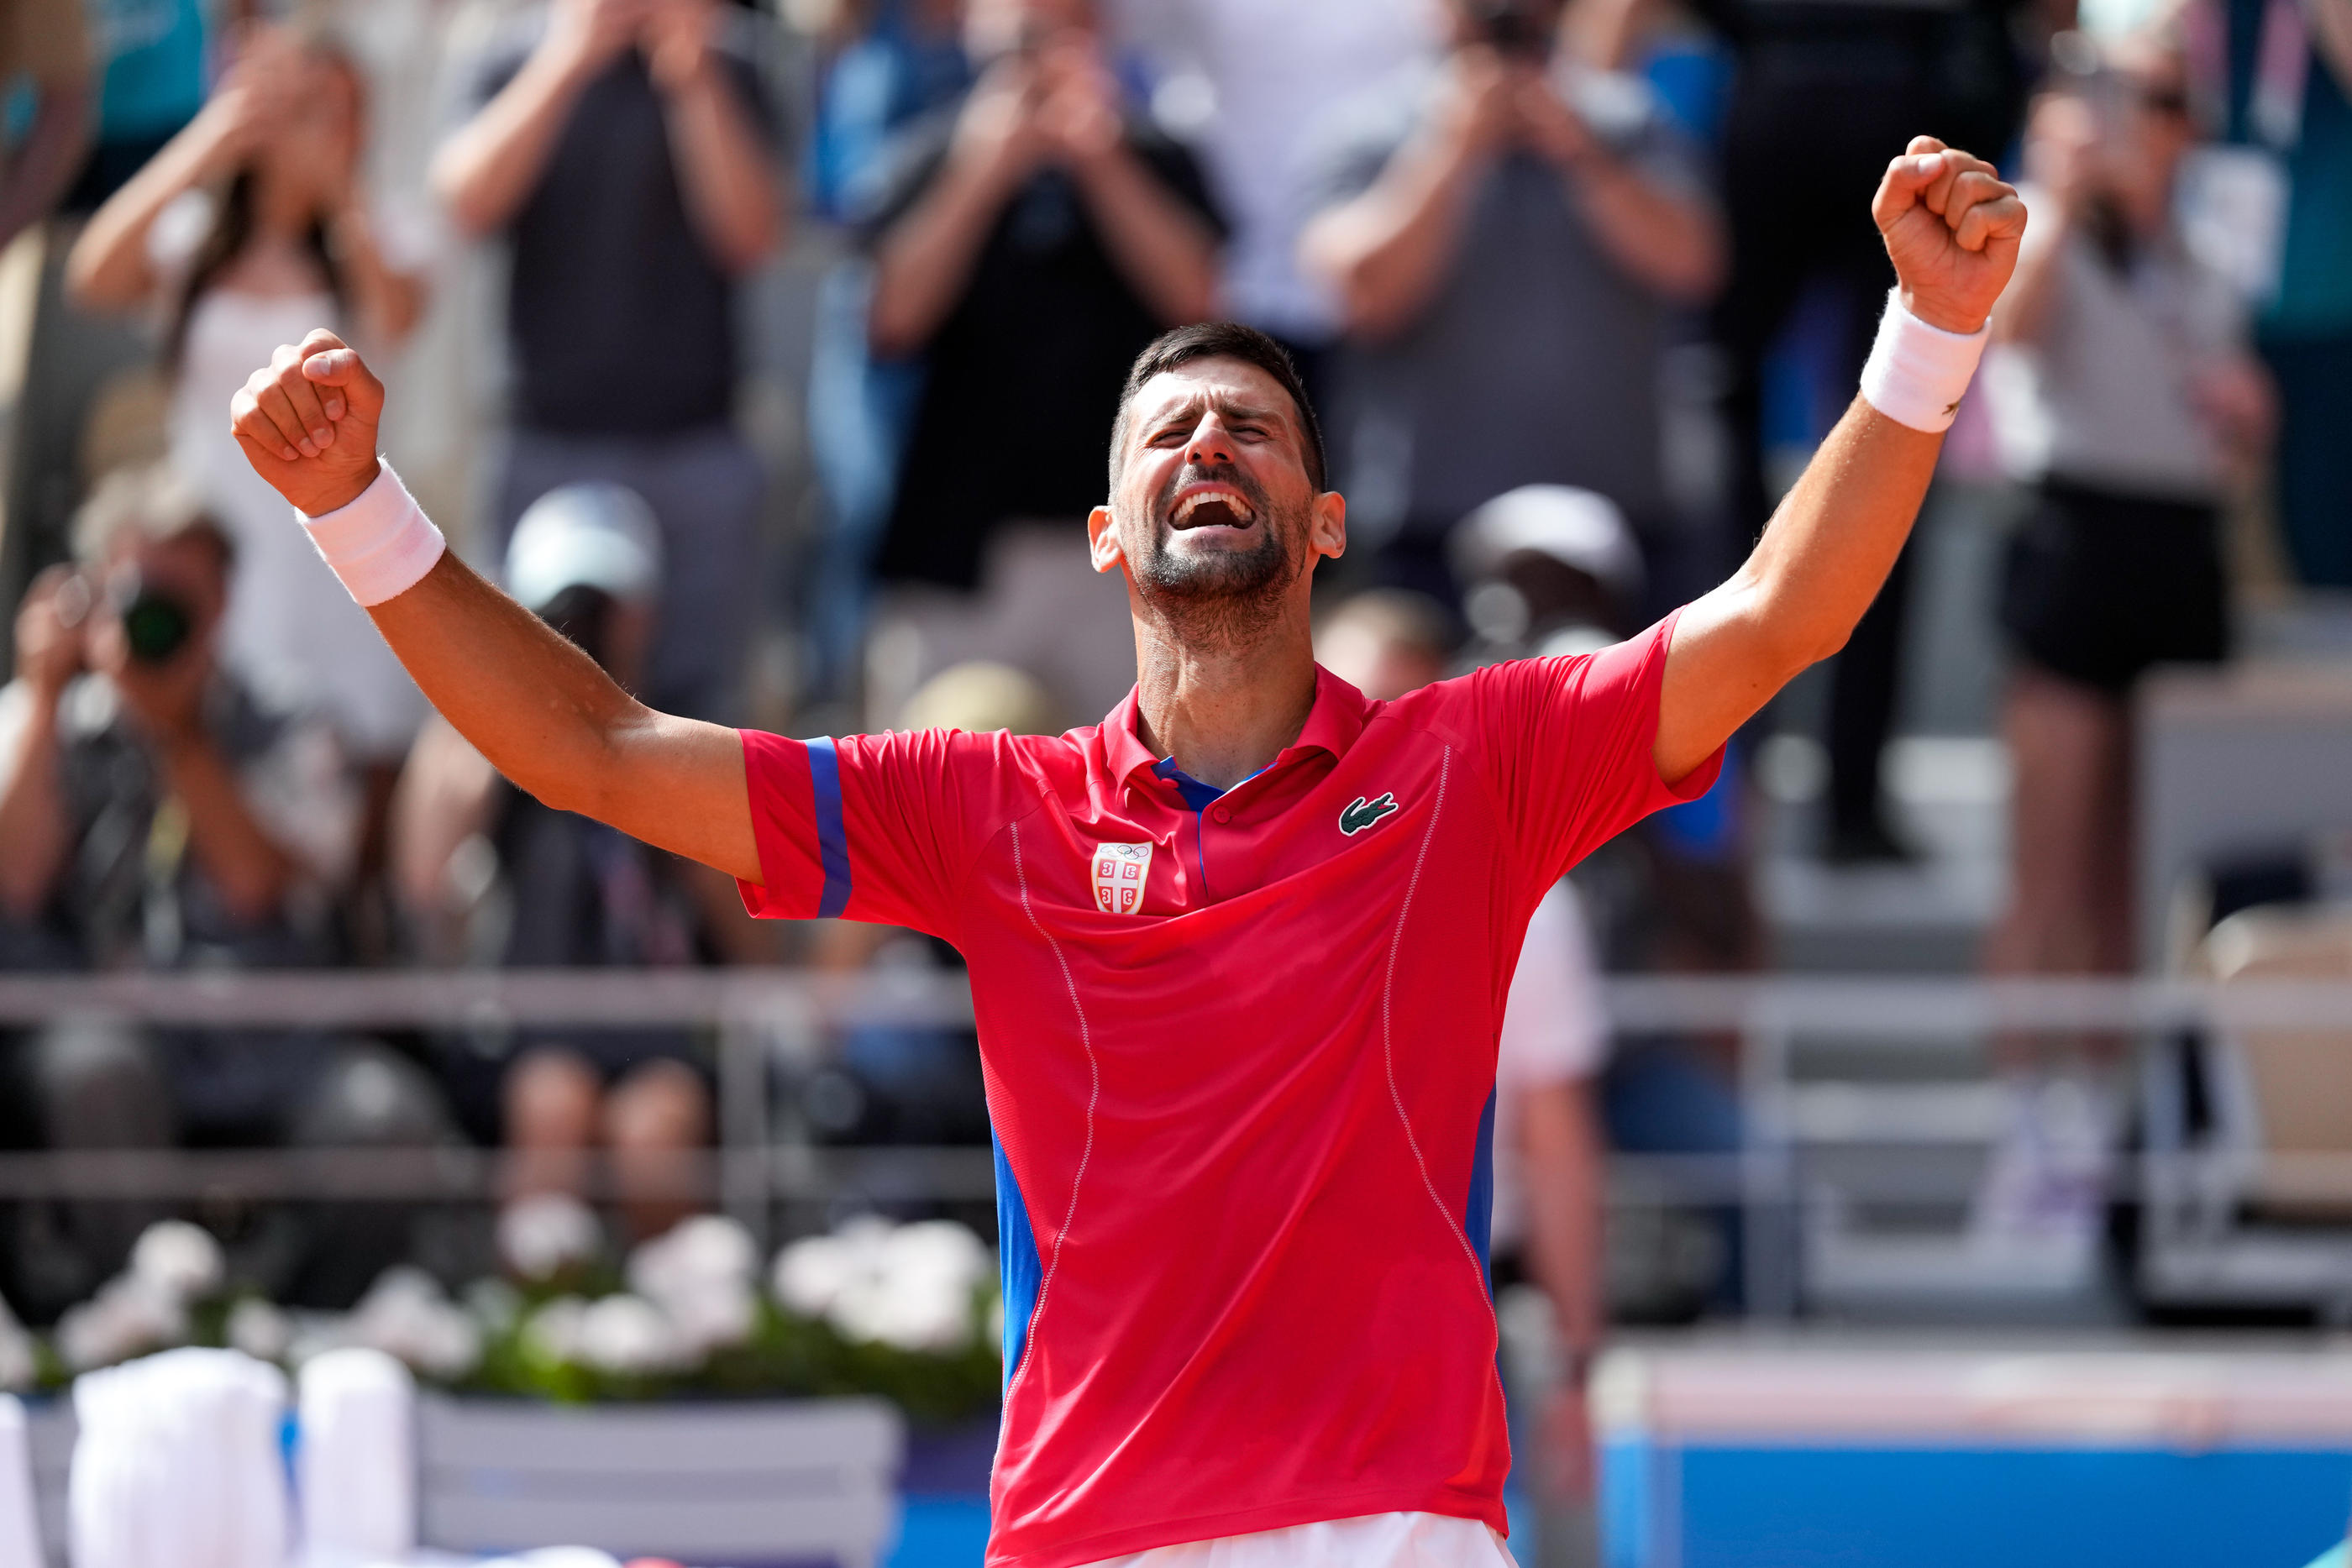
<point x="1121" y="872"/>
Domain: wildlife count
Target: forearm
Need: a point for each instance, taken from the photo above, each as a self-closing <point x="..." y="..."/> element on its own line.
<point x="927" y="256"/>
<point x="1799" y="594"/>
<point x="547" y="718"/>
<point x="45" y="162"/>
<point x="729" y="180"/>
<point x="33" y="828"/>
<point x="1386" y="252"/>
<point x="1566" y="1178"/>
<point x="1671" y="243"/>
<point x="1162" y="248"/>
<point x="486" y="172"/>
<point x="107" y="267"/>
<point x="251" y="873"/>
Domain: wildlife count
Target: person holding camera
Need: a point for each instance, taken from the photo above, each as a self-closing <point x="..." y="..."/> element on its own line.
<point x="156" y="813"/>
<point x="1506" y="232"/>
<point x="1027" y="243"/>
<point x="250" y="223"/>
<point x="625" y="151"/>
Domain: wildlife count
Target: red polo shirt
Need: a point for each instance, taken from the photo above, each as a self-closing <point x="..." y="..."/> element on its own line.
<point x="1240" y="1058"/>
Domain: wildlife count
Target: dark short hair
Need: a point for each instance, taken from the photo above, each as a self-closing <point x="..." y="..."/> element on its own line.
<point x="1220" y="340"/>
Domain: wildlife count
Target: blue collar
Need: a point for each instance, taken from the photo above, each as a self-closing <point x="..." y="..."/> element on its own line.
<point x="1196" y="794"/>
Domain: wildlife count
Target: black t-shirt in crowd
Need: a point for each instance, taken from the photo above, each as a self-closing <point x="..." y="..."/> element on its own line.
<point x="623" y="323"/>
<point x="1023" y="376"/>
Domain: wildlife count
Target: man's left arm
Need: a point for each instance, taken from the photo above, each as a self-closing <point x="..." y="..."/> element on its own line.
<point x="1951" y="227"/>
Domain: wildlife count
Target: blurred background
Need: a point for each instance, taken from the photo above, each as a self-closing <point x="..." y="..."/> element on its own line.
<point x="1953" y="1108"/>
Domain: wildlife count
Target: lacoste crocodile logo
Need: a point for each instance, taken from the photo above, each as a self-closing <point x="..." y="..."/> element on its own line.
<point x="1361" y="813"/>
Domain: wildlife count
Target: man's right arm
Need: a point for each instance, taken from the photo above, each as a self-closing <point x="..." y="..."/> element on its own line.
<point x="535" y="706"/>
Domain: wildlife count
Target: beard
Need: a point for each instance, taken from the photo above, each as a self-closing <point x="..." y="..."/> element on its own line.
<point x="1228" y="595"/>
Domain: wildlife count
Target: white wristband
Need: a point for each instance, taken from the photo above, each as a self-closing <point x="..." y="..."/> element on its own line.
<point x="1917" y="373"/>
<point x="382" y="544"/>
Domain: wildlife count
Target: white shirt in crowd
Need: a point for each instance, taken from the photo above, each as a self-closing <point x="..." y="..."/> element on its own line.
<point x="2107" y="397"/>
<point x="290" y="626"/>
<point x="1243" y="81"/>
<point x="1555" y="1030"/>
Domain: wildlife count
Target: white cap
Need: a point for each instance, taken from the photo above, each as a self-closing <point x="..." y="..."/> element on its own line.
<point x="591" y="535"/>
<point x="1576" y="527"/>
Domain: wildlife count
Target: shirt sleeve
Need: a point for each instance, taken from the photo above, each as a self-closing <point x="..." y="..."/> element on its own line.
<point x="1564" y="745"/>
<point x="870" y="827"/>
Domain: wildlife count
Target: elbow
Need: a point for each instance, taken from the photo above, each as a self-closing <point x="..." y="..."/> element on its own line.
<point x="755" y="238"/>
<point x="1195" y="299"/>
<point x="88" y="284"/>
<point x="459" y="186"/>
<point x="1699" y="265"/>
<point x="894" y="327"/>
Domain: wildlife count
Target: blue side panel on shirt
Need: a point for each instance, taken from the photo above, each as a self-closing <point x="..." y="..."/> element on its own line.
<point x="1478" y="1218"/>
<point x="832" y="842"/>
<point x="1017" y="1260"/>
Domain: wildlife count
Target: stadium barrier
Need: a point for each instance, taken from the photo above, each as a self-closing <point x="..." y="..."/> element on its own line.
<point x="763" y="1018"/>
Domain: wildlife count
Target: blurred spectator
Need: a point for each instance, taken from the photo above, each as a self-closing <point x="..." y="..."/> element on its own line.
<point x="917" y="1083"/>
<point x="2123" y="389"/>
<point x="247" y="230"/>
<point x="151" y="59"/>
<point x="1554" y="571"/>
<point x="2278" y="76"/>
<point x="1028" y="244"/>
<point x="1549" y="1180"/>
<point x="1836" y="90"/>
<point x="1505" y="230"/>
<point x="45" y="49"/>
<point x="908" y="63"/>
<point x="908" y="60"/>
<point x="1257" y="76"/>
<point x="494" y="876"/>
<point x="626" y="154"/>
<point x="155" y="812"/>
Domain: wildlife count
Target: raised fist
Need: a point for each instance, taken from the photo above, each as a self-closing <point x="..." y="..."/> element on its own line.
<point x="307" y="421"/>
<point x="1951" y="228"/>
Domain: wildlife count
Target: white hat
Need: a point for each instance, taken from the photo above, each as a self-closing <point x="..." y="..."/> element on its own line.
<point x="1576" y="527"/>
<point x="592" y="535"/>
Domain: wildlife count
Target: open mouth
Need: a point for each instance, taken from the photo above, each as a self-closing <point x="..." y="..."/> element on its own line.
<point x="1212" y="507"/>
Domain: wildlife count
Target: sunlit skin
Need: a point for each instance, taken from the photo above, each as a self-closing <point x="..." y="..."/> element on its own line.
<point x="1218" y="526"/>
<point x="1226" y="679"/>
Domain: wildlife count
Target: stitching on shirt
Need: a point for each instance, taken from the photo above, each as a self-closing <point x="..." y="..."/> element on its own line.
<point x="1388" y="1039"/>
<point x="1085" y="1150"/>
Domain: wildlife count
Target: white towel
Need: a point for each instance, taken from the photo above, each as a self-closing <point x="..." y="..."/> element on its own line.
<point x="20" y="1527"/>
<point x="355" y="1464"/>
<point x="179" y="1464"/>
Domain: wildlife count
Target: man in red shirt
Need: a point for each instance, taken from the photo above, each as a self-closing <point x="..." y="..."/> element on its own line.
<point x="1240" y="952"/>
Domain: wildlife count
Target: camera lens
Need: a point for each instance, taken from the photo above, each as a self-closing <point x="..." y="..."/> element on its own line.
<point x="155" y="626"/>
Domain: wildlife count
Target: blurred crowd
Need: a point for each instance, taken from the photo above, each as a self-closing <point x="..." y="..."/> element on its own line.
<point x="769" y="354"/>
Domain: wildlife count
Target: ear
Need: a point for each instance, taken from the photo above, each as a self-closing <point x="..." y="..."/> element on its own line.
<point x="1102" y="541"/>
<point x="1327" y="524"/>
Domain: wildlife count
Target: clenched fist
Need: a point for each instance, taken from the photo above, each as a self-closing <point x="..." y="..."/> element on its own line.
<point x="1951" y="228"/>
<point x="308" y="421"/>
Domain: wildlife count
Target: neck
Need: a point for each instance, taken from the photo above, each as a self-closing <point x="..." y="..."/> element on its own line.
<point x="1223" y="705"/>
<point x="281" y="211"/>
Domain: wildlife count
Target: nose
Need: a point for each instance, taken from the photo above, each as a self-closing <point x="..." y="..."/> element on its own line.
<point x="1211" y="445"/>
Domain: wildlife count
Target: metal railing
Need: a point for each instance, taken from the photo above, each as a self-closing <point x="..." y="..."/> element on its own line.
<point x="761" y="1018"/>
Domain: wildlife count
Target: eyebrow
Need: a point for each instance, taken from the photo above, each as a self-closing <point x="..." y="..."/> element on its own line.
<point x="1225" y="403"/>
